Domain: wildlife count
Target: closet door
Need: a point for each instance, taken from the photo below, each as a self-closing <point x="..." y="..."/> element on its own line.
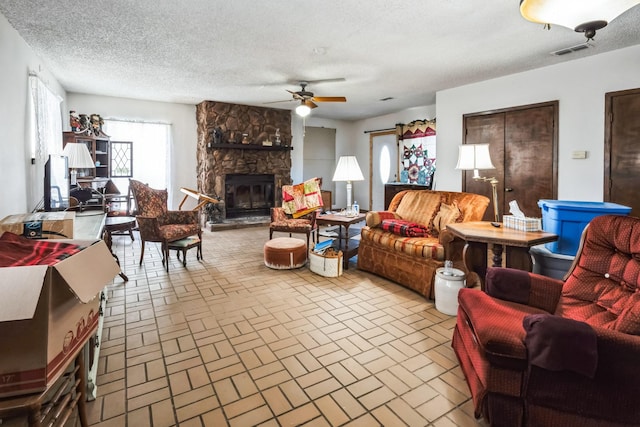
<point x="523" y="146"/>
<point x="622" y="149"/>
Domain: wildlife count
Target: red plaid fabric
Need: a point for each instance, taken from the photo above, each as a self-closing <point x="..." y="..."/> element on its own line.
<point x="404" y="228"/>
<point x="16" y="251"/>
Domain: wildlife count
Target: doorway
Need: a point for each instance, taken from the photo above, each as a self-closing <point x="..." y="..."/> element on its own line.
<point x="622" y="149"/>
<point x="319" y="158"/>
<point x="383" y="165"/>
<point x="523" y="144"/>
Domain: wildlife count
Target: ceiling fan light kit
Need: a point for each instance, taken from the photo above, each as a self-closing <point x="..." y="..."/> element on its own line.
<point x="308" y="99"/>
<point x="584" y="16"/>
<point x="303" y="110"/>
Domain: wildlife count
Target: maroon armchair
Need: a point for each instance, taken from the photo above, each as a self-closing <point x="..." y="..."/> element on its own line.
<point x="158" y="224"/>
<point x="537" y="351"/>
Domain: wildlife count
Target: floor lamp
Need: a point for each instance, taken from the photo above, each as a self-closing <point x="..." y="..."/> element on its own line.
<point x="78" y="158"/>
<point x="475" y="157"/>
<point x="348" y="170"/>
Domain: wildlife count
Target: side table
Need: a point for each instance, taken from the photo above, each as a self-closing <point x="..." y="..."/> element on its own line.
<point x="114" y="224"/>
<point x="516" y="243"/>
<point x="346" y="243"/>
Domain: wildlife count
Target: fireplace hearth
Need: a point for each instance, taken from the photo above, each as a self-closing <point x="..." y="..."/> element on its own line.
<point x="249" y="195"/>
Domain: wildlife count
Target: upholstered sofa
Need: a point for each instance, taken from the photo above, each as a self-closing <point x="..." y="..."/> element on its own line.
<point x="408" y="242"/>
<point x="538" y="351"/>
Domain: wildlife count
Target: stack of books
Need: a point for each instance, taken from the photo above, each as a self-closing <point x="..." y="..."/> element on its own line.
<point x="321" y="247"/>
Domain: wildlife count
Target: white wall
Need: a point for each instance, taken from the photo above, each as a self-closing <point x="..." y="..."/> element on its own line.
<point x="578" y="85"/>
<point x="360" y="144"/>
<point x="181" y="117"/>
<point x="16" y="61"/>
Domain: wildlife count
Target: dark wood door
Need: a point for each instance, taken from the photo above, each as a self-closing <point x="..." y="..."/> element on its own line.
<point x="622" y="149"/>
<point x="523" y="147"/>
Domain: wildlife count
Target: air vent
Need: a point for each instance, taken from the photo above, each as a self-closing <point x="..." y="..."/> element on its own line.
<point x="388" y="98"/>
<point x="572" y="49"/>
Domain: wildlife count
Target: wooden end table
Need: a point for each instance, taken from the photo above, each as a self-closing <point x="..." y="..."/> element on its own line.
<point x="515" y="243"/>
<point x="344" y="239"/>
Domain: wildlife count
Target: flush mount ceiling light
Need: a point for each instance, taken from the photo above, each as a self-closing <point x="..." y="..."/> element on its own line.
<point x="584" y="16"/>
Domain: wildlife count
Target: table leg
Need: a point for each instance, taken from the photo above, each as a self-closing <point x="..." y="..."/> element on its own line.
<point x="345" y="259"/>
<point x="520" y="258"/>
<point x="497" y="255"/>
<point x="474" y="255"/>
<point x="81" y="389"/>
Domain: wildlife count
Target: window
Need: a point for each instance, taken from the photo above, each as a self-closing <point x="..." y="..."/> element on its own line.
<point x="148" y="145"/>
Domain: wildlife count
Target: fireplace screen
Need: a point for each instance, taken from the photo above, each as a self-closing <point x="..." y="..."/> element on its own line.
<point x="249" y="195"/>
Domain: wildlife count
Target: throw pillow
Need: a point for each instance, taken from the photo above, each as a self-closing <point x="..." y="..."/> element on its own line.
<point x="374" y="218"/>
<point x="446" y="215"/>
<point x="404" y="228"/>
<point x="301" y="199"/>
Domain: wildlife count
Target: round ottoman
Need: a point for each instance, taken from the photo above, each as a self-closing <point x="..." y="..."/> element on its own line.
<point x="285" y="253"/>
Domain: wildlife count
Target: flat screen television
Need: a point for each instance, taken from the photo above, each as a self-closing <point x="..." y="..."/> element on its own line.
<point x="56" y="183"/>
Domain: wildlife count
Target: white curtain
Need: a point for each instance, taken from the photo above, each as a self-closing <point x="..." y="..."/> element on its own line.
<point x="151" y="143"/>
<point x="46" y="129"/>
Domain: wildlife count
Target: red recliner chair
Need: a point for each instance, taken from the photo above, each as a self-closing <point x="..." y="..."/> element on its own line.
<point x="537" y="351"/>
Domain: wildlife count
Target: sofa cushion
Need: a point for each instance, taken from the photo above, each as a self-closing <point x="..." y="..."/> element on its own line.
<point x="419" y="206"/>
<point x="404" y="228"/>
<point x="423" y="247"/>
<point x="447" y="214"/>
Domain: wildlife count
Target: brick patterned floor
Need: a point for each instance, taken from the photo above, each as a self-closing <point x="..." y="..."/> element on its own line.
<point x="227" y="341"/>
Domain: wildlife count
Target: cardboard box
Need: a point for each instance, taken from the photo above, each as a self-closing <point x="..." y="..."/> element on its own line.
<point x="47" y="313"/>
<point x="40" y="225"/>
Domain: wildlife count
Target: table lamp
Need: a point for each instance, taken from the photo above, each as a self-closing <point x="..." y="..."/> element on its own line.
<point x="78" y="158"/>
<point x="348" y="170"/>
<point x="475" y="157"/>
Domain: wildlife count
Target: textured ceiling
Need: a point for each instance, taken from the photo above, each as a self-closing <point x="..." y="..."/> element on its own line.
<point x="250" y="51"/>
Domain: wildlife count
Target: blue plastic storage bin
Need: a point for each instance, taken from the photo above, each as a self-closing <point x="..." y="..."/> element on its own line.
<point x="568" y="219"/>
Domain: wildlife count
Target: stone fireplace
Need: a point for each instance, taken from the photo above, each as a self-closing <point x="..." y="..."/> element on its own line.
<point x="244" y="156"/>
<point x="248" y="195"/>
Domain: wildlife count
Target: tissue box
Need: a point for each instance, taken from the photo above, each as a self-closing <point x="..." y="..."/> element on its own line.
<point x="522" y="224"/>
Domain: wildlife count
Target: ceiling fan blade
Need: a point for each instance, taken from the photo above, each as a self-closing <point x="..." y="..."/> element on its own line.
<point x="297" y="81"/>
<point x="296" y="95"/>
<point x="329" y="99"/>
<point x="310" y="104"/>
<point x="276" y="102"/>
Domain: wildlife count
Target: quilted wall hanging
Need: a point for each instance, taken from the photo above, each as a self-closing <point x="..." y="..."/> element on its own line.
<point x="418" y="151"/>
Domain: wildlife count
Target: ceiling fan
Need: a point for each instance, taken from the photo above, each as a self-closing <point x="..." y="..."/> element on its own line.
<point x="308" y="99"/>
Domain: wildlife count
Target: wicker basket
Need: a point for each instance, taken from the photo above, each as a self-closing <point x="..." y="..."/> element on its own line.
<point x="328" y="264"/>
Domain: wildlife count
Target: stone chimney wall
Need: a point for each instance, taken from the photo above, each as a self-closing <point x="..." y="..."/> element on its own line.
<point x="230" y="140"/>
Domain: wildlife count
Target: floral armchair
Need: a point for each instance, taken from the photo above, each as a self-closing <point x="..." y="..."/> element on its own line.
<point x="158" y="224"/>
<point x="537" y="351"/>
<point x="283" y="222"/>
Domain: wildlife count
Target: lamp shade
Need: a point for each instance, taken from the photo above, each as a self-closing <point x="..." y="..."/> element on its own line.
<point x="348" y="169"/>
<point x="474" y="157"/>
<point x="78" y="156"/>
<point x="579" y="15"/>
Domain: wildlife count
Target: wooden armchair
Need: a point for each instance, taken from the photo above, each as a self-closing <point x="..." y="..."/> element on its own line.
<point x="280" y="221"/>
<point x="158" y="224"/>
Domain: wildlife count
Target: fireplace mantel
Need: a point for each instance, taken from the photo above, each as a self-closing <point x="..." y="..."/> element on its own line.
<point x="252" y="147"/>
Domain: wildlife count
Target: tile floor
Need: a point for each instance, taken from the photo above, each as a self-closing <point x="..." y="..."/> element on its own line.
<point x="228" y="342"/>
